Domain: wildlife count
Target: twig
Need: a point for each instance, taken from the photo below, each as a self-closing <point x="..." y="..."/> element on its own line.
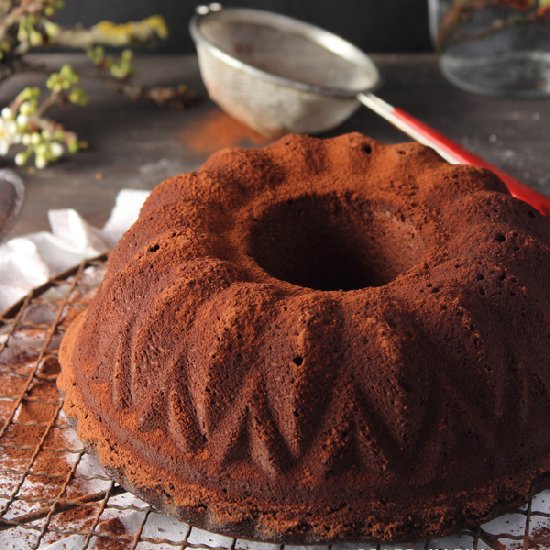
<point x="61" y="506"/>
<point x="111" y="34"/>
<point x="166" y="96"/>
<point x="49" y="102"/>
<point x="17" y="13"/>
<point x="5" y="7"/>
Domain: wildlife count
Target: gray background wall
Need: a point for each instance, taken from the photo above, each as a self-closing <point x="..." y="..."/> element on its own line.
<point x="374" y="25"/>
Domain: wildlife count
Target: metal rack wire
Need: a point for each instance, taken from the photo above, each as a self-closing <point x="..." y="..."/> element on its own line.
<point x="53" y="493"/>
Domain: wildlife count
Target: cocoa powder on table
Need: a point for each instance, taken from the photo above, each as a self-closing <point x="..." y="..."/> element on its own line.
<point x="215" y="130"/>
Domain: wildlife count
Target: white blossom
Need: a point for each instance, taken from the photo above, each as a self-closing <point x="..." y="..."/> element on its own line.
<point x="39" y="161"/>
<point x="22" y="120"/>
<point x="6" y="136"/>
<point x="56" y="149"/>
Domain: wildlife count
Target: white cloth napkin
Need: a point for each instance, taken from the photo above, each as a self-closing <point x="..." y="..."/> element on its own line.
<point x="29" y="261"/>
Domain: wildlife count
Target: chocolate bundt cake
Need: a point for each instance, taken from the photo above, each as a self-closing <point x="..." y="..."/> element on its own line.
<point x="322" y="340"/>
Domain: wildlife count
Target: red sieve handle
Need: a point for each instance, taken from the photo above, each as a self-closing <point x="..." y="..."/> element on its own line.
<point x="453" y="152"/>
<point x="450" y="150"/>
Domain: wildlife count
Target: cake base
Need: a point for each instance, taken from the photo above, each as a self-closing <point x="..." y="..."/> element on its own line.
<point x="353" y="523"/>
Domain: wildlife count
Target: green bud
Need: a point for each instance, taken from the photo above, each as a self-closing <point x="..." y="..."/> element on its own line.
<point x="72" y="146"/>
<point x="63" y="80"/>
<point x="119" y="71"/>
<point x="36" y="38"/>
<point x="126" y="56"/>
<point x="51" y="28"/>
<point x="30" y="92"/>
<point x="96" y="54"/>
<point x="68" y="74"/>
<point x="52" y="81"/>
<point x="27" y="108"/>
<point x="41" y="149"/>
<point x="78" y="96"/>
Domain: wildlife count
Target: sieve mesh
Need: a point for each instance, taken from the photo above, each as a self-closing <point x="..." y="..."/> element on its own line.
<point x="278" y="75"/>
<point x="52" y="492"/>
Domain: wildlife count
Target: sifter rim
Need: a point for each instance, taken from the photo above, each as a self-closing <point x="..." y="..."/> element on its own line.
<point x="325" y="39"/>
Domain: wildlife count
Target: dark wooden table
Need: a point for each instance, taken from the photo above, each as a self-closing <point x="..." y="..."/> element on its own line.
<point x="138" y="145"/>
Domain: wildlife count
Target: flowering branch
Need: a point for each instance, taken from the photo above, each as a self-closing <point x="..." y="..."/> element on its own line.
<point x="26" y="25"/>
<point x="24" y="126"/>
<point x="108" y="33"/>
<point x="121" y="69"/>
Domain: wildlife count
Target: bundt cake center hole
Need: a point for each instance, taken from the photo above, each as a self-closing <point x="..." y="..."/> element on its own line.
<point x="333" y="242"/>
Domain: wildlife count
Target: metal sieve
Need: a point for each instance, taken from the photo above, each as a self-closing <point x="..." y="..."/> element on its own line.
<point x="270" y="71"/>
<point x="277" y="75"/>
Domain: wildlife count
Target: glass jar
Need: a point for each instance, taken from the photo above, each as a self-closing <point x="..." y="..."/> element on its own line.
<point x="495" y="47"/>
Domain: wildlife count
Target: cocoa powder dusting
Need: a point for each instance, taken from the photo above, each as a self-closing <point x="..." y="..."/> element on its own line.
<point x="38" y="448"/>
<point x="215" y="130"/>
<point x="331" y="304"/>
<point x="541" y="538"/>
<point x="114" y="530"/>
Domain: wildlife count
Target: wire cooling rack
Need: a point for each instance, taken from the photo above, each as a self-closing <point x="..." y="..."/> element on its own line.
<point x="54" y="495"/>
